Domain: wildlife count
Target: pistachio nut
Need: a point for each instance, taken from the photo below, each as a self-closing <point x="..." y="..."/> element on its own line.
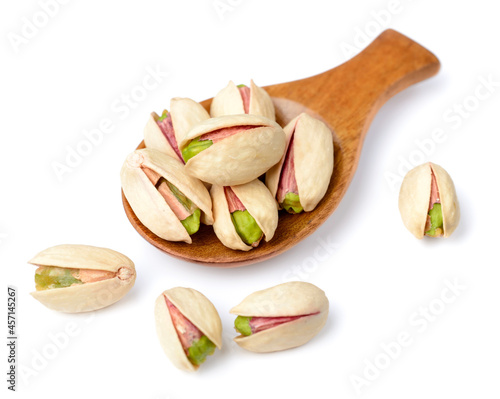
<point x="244" y="214"/>
<point x="81" y="278"/>
<point x="188" y="327"/>
<point x="167" y="200"/>
<point x="163" y="132"/>
<point x="232" y="149"/>
<point x="300" y="179"/>
<point x="428" y="202"/>
<point x="281" y="317"/>
<point x="241" y="99"/>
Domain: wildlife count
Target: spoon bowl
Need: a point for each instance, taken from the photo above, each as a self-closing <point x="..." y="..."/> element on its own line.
<point x="346" y="98"/>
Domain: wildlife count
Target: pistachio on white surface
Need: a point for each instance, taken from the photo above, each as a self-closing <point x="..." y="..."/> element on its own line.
<point x="281" y="317"/>
<point x="301" y="178"/>
<point x="428" y="202"/>
<point x="241" y="99"/>
<point x="244" y="214"/>
<point x="167" y="200"/>
<point x="81" y="278"/>
<point x="163" y="132"/>
<point x="232" y="149"/>
<point x="188" y="327"/>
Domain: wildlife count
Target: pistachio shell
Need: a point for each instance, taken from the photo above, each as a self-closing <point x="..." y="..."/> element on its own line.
<point x="229" y="102"/>
<point x="260" y="204"/>
<point x="313" y="160"/>
<point x="198" y="310"/>
<point x="223" y="225"/>
<point x="449" y="200"/>
<point x="185" y="113"/>
<point x="240" y="158"/>
<point x="149" y="205"/>
<point x="414" y="198"/>
<point x="154" y="138"/>
<point x="89" y="296"/>
<point x="288" y="299"/>
<point x="257" y="200"/>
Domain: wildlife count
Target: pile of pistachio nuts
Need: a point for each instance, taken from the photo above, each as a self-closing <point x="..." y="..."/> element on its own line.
<point x="234" y="168"/>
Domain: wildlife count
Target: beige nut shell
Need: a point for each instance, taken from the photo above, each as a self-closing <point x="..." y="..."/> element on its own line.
<point x="198" y="310"/>
<point x="240" y="158"/>
<point x="149" y="205"/>
<point x="313" y="159"/>
<point x="89" y="296"/>
<point x="289" y="299"/>
<point x="257" y="200"/>
<point x="185" y="112"/>
<point x="414" y="197"/>
<point x="229" y="102"/>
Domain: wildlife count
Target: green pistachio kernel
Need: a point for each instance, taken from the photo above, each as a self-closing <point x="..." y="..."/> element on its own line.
<point x="246" y="226"/>
<point x="49" y="277"/>
<point x="192" y="223"/>
<point x="242" y="325"/>
<point x="240" y="86"/>
<point x="200" y="349"/>
<point x="163" y="116"/>
<point x="185" y="201"/>
<point x="291" y="203"/>
<point x="194" y="148"/>
<point x="436" y="216"/>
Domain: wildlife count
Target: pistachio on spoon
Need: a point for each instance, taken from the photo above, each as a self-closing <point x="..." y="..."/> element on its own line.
<point x="301" y="178"/>
<point x="163" y="132"/>
<point x="232" y="149"/>
<point x="167" y="200"/>
<point x="244" y="214"/>
<point x="241" y="99"/>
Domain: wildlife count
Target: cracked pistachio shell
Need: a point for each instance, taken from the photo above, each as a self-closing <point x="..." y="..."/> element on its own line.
<point x="195" y="307"/>
<point x="414" y="197"/>
<point x="229" y="102"/>
<point x="239" y="158"/>
<point x="89" y="296"/>
<point x="313" y="160"/>
<point x="294" y="298"/>
<point x="149" y="205"/>
<point x="185" y="113"/>
<point x="257" y="200"/>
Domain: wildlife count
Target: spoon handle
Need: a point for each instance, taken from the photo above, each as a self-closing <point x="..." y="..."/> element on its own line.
<point x="390" y="64"/>
<point x="350" y="95"/>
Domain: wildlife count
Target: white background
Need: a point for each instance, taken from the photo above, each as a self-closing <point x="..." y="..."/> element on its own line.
<point x="72" y="73"/>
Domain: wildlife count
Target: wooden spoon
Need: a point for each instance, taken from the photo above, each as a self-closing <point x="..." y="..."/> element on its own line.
<point x="346" y="98"/>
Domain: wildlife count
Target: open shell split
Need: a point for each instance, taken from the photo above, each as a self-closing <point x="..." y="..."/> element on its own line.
<point x="239" y="158"/>
<point x="185" y="114"/>
<point x="198" y="310"/>
<point x="289" y="299"/>
<point x="229" y="102"/>
<point x="414" y="198"/>
<point x="257" y="200"/>
<point x="89" y="296"/>
<point x="313" y="160"/>
<point x="149" y="205"/>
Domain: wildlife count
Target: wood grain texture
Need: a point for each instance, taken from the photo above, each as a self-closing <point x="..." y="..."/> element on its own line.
<point x="346" y="98"/>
